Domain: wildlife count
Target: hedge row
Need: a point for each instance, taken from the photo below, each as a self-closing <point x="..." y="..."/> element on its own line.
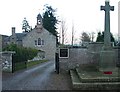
<point x="21" y="53"/>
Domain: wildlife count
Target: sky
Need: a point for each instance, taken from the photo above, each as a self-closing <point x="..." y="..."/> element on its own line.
<point x="84" y="14"/>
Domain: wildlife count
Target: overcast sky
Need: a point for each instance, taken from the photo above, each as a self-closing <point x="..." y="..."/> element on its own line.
<point x="85" y="14"/>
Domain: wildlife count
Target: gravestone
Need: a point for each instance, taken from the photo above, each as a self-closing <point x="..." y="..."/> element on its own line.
<point x="107" y="55"/>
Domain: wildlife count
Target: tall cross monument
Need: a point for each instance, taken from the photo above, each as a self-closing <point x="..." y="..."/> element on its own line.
<point x="107" y="55"/>
<point x="107" y="36"/>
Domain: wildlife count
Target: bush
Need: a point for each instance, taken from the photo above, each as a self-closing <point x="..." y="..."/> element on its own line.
<point x="21" y="53"/>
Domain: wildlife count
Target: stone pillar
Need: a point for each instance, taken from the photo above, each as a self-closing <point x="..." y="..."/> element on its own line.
<point x="7" y="61"/>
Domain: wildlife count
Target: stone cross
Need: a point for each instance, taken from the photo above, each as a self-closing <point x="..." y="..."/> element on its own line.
<point x="107" y="36"/>
<point x="107" y="62"/>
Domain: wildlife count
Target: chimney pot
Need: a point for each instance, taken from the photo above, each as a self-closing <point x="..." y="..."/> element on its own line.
<point x="13" y="30"/>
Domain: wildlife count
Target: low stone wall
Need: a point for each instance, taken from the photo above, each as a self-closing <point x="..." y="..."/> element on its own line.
<point x="117" y="55"/>
<point x="89" y="55"/>
<point x="76" y="56"/>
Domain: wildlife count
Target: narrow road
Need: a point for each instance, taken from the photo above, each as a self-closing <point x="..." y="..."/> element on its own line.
<point x="40" y="77"/>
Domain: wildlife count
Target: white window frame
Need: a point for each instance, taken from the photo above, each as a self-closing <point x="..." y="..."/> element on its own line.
<point x="42" y="42"/>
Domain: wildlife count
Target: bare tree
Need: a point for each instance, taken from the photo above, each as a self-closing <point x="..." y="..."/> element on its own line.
<point x="63" y="31"/>
<point x="73" y="33"/>
<point x="92" y="36"/>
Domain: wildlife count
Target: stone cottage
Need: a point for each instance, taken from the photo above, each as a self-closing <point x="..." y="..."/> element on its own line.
<point x="2" y="40"/>
<point x="38" y="38"/>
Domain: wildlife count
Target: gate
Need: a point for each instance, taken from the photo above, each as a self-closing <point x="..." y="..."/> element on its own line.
<point x="18" y="65"/>
<point x="57" y="62"/>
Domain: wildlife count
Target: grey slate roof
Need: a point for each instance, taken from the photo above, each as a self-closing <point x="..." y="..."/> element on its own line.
<point x="19" y="36"/>
<point x="39" y="17"/>
<point x="7" y="38"/>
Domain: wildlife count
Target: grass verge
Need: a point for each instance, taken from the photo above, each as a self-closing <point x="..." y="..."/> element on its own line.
<point x="19" y="66"/>
<point x="23" y="65"/>
<point x="32" y="63"/>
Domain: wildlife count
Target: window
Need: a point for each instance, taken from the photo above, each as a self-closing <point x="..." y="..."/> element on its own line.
<point x="63" y="53"/>
<point x="35" y="42"/>
<point x="42" y="42"/>
<point x="39" y="22"/>
<point x="39" y="41"/>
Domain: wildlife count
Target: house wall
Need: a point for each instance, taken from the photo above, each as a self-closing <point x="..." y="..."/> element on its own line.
<point x="49" y="46"/>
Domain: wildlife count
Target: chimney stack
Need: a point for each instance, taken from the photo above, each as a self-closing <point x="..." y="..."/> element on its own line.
<point x="13" y="30"/>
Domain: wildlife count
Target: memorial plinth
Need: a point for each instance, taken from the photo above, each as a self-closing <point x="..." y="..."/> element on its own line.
<point x="107" y="61"/>
<point x="90" y="78"/>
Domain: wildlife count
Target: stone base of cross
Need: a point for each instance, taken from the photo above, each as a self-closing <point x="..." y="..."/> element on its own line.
<point x="107" y="61"/>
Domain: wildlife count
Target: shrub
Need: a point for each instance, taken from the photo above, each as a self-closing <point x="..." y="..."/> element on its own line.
<point x="21" y="53"/>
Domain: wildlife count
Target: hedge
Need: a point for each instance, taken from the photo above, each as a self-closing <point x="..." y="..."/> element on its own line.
<point x="21" y="53"/>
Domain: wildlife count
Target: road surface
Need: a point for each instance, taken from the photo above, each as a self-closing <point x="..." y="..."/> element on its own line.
<point x="40" y="77"/>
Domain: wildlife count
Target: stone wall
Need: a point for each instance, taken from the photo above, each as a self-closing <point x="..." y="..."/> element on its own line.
<point x="76" y="56"/>
<point x="117" y="55"/>
<point x="89" y="55"/>
<point x="95" y="46"/>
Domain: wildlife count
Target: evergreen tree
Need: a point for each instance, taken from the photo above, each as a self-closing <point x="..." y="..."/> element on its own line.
<point x="25" y="25"/>
<point x="50" y="20"/>
<point x="85" y="37"/>
<point x="100" y="37"/>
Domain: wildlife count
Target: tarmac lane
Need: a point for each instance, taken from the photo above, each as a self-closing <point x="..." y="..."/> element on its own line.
<point x="35" y="78"/>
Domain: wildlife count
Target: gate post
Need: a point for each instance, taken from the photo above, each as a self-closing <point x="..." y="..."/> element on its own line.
<point x="13" y="62"/>
<point x="13" y="65"/>
<point x="57" y="62"/>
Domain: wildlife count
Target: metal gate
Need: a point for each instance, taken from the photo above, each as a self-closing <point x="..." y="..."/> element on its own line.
<point x="57" y="63"/>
